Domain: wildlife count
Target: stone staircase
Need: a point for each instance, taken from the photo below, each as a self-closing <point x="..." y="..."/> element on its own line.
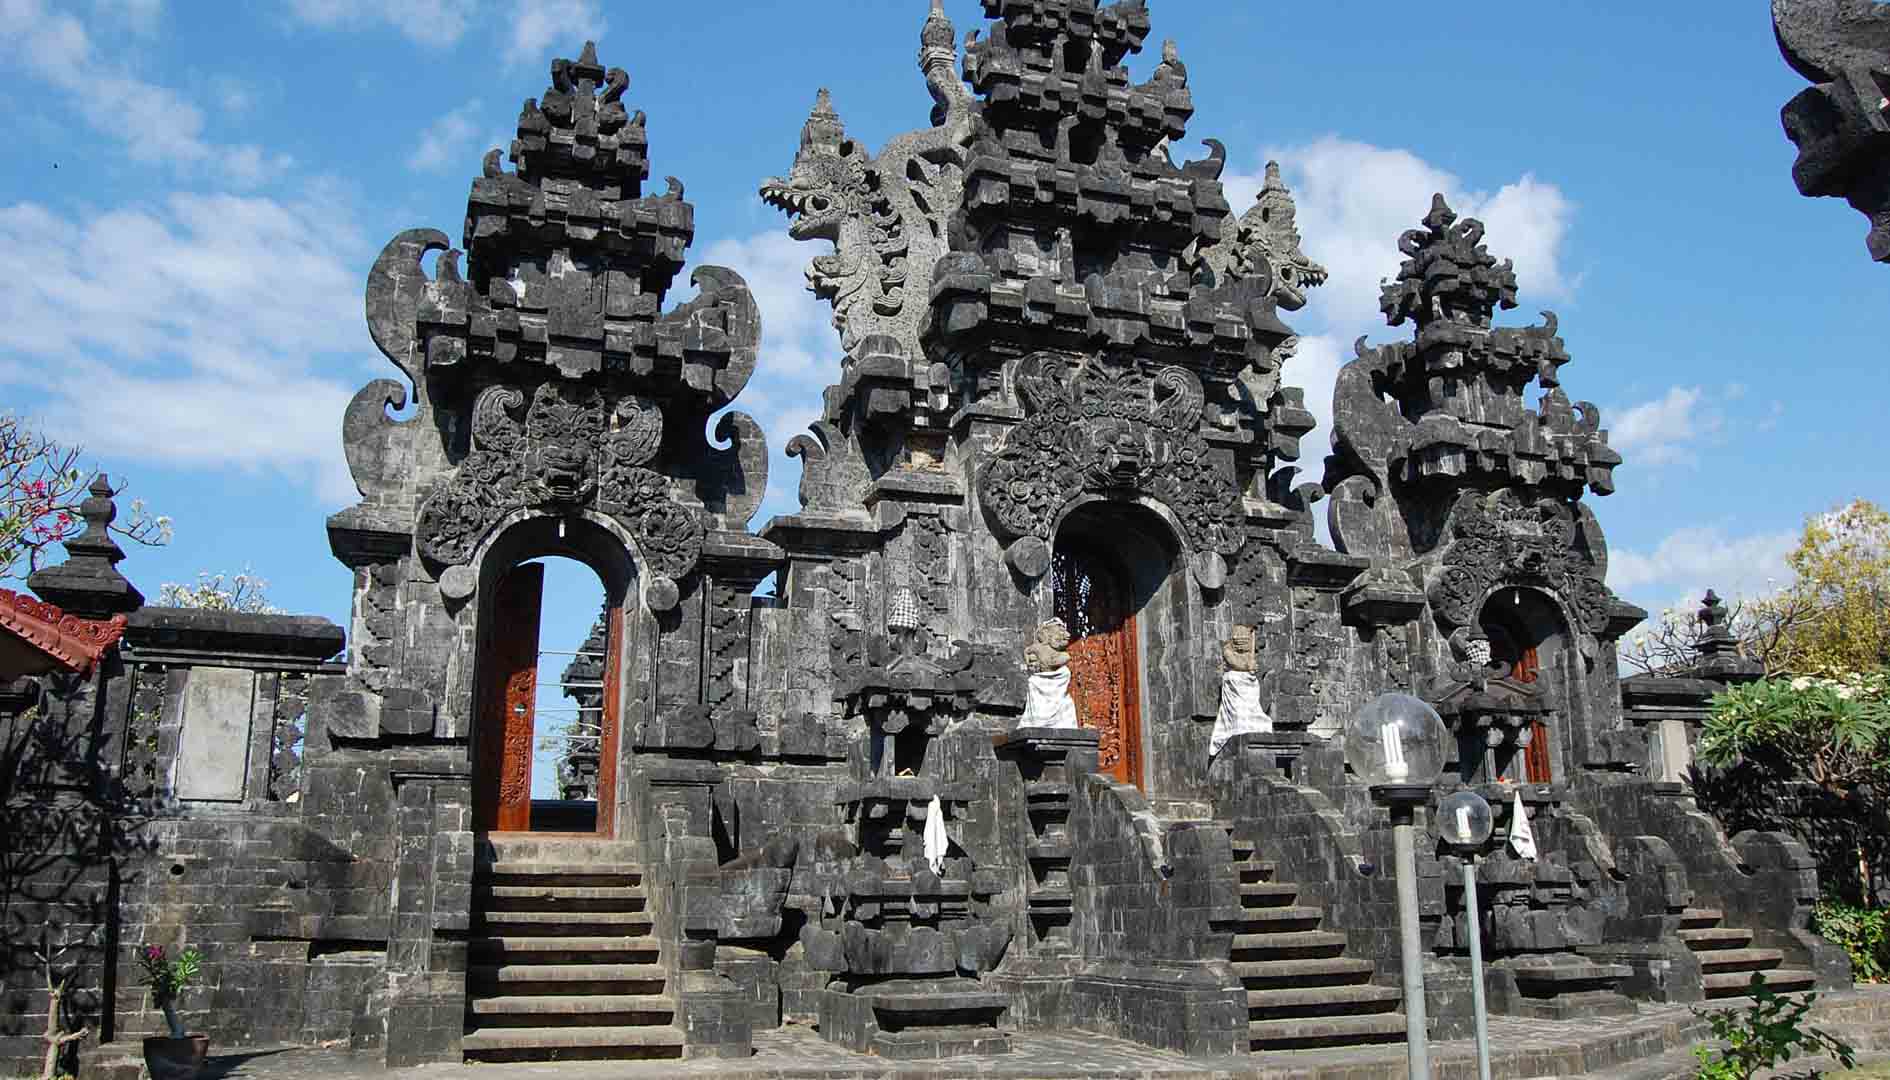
<point x="563" y="964"/>
<point x="1302" y="990"/>
<point x="1728" y="960"/>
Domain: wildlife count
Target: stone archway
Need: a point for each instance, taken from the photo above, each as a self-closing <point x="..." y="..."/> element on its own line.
<point x="506" y="663"/>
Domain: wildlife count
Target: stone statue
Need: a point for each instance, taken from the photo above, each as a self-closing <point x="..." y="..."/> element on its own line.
<point x="1048" y="661"/>
<point x="1240" y="713"/>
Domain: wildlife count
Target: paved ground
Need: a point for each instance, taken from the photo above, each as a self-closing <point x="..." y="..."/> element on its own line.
<point x="1651" y="1046"/>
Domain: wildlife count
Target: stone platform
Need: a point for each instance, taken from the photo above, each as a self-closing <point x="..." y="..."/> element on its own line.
<point x="1651" y="1046"/>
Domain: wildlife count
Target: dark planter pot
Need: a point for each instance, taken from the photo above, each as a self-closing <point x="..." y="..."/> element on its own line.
<point x="175" y="1059"/>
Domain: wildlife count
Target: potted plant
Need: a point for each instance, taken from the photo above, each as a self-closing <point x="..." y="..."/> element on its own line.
<point x="176" y="1056"/>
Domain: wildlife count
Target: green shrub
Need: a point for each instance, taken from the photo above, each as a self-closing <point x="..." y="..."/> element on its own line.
<point x="1764" y="1034"/>
<point x="1863" y="932"/>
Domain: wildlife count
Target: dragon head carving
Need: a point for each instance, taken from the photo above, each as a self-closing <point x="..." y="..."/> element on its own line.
<point x="1265" y="240"/>
<point x="828" y="181"/>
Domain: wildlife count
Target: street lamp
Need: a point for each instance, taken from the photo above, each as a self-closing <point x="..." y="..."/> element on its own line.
<point x="1464" y="822"/>
<point x="1395" y="745"/>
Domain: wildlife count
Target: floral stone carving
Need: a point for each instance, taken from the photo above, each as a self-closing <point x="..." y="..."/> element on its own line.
<point x="1111" y="427"/>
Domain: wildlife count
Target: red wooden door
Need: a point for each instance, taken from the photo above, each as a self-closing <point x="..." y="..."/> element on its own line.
<point x="1536" y="767"/>
<point x="1093" y="600"/>
<point x="502" y="776"/>
<point x="607" y="752"/>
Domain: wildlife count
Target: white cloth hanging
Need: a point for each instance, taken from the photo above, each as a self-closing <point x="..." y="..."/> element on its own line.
<point x="936" y="841"/>
<point x="1522" y="839"/>
<point x="1240" y="713"/>
<point x="1049" y="703"/>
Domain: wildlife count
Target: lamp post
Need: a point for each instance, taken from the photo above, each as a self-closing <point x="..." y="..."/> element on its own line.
<point x="1395" y="744"/>
<point x="1464" y="822"/>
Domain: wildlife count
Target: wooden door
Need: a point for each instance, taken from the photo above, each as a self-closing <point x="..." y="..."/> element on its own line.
<point x="1536" y="767"/>
<point x="508" y="694"/>
<point x="607" y="744"/>
<point x="1092" y="598"/>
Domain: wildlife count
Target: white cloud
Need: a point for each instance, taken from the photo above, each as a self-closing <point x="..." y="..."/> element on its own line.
<point x="428" y="22"/>
<point x="541" y="26"/>
<point x="1354" y="201"/>
<point x="219" y="351"/>
<point x="444" y="141"/>
<point x="156" y="124"/>
<point x="1659" y="432"/>
<point x="1690" y="560"/>
<point x="800" y="350"/>
<point x="138" y="16"/>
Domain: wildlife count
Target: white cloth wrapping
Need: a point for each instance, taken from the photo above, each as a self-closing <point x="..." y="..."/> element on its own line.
<point x="1522" y="839"/>
<point x="1050" y="704"/>
<point x="936" y="842"/>
<point x="1240" y="713"/>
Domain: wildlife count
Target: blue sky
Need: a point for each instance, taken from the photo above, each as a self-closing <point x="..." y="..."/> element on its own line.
<point x="194" y="192"/>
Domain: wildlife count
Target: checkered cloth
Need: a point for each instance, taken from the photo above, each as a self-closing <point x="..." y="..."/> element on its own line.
<point x="903" y="612"/>
<point x="1479" y="651"/>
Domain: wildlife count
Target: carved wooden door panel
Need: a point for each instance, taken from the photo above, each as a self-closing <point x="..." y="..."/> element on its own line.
<point x="1093" y="600"/>
<point x="1536" y="767"/>
<point x="607" y="754"/>
<point x="502" y="777"/>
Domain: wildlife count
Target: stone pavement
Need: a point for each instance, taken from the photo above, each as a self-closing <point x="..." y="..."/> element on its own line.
<point x="1651" y="1046"/>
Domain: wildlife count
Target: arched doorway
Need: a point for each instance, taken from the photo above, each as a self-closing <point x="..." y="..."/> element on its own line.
<point x="548" y="680"/>
<point x="1093" y="595"/>
<point x="1518" y="630"/>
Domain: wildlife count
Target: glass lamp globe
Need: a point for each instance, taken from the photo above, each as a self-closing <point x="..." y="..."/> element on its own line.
<point x="1396" y="739"/>
<point x="1464" y="819"/>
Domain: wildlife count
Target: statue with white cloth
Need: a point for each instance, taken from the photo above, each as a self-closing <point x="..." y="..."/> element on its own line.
<point x="1240" y="712"/>
<point x="1048" y="661"/>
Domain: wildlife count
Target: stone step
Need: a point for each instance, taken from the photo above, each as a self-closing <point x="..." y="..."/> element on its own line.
<point x="1286" y="974"/>
<point x="1778" y="980"/>
<point x="1716" y="937"/>
<point x="567" y="923"/>
<point x="561" y="897"/>
<point x="1319" y="1001"/>
<point x="1282" y="917"/>
<point x="1740" y="959"/>
<point x="938" y="1043"/>
<point x="1698" y="918"/>
<point x="1267" y="893"/>
<point x="1251" y="872"/>
<point x="1290" y="945"/>
<point x="1308" y="1032"/>
<point x="567" y="1010"/>
<point x="534" y="979"/>
<point x="558" y="872"/>
<point x="572" y="1043"/>
<point x="566" y="950"/>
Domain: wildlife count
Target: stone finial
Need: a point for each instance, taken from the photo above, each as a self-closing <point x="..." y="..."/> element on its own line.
<point x="1720" y="655"/>
<point x="88" y="583"/>
<point x="937" y="34"/>
<point x="824" y="129"/>
<point x="1447" y="273"/>
<point x="1050" y="650"/>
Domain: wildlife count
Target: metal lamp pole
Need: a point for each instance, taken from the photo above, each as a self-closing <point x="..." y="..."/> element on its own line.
<point x="1403" y="804"/>
<point x="1394" y="745"/>
<point x="1465" y="822"/>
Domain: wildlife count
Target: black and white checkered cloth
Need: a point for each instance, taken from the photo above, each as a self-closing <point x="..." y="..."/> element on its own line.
<point x="903" y="612"/>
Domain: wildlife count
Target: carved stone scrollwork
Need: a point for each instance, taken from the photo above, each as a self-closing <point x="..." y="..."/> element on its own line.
<point x="1109" y="427"/>
<point x="571" y="450"/>
<point x="1503" y="539"/>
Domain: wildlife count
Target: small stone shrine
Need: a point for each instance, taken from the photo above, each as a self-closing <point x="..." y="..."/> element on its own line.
<point x="1037" y="729"/>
